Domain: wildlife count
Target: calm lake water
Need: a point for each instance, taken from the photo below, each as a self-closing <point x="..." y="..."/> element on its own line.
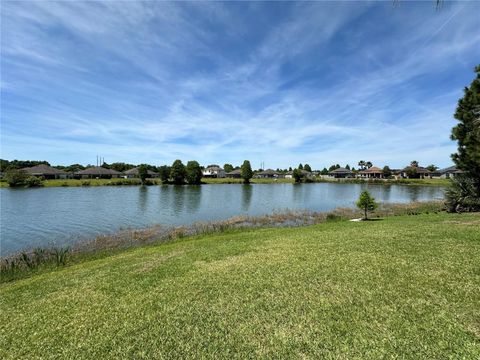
<point x="56" y="216"/>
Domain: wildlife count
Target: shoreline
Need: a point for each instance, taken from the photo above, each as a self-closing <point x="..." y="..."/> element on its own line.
<point x="27" y="262"/>
<point x="231" y="181"/>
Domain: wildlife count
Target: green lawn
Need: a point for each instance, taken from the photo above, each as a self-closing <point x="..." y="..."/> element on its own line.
<point x="404" y="287"/>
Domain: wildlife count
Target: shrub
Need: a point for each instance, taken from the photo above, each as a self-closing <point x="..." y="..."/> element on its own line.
<point x="33" y="181"/>
<point x="462" y="195"/>
<point x="15" y="177"/>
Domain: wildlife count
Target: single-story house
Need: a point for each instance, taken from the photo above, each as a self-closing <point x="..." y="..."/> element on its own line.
<point x="267" y="174"/>
<point x="447" y="173"/>
<point x="213" y="172"/>
<point x="372" y="172"/>
<point x="98" y="172"/>
<point x="237" y="173"/>
<point x="341" y="173"/>
<point x="46" y="172"/>
<point x="133" y="173"/>
<point x="305" y="173"/>
<point x="414" y="172"/>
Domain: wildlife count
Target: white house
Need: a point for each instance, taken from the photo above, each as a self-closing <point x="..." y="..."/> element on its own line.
<point x="213" y="172"/>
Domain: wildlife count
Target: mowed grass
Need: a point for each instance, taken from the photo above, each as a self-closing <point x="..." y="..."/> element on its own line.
<point x="403" y="287"/>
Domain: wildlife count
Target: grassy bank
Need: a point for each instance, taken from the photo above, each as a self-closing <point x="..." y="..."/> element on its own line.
<point x="405" y="286"/>
<point x="113" y="182"/>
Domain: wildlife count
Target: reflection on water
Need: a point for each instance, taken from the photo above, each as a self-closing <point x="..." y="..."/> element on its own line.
<point x="38" y="217"/>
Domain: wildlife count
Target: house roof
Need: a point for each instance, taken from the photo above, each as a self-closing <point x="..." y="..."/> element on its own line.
<point x="268" y="172"/>
<point x="419" y="169"/>
<point x="134" y="171"/>
<point x="98" y="170"/>
<point x="43" y="170"/>
<point x="451" y="170"/>
<point x="341" y="171"/>
<point x="213" y="168"/>
<point x="234" y="172"/>
<point x="372" y="170"/>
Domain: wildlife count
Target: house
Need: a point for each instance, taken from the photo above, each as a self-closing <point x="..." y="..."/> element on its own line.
<point x="372" y="172"/>
<point x="267" y="174"/>
<point x="236" y="174"/>
<point x="213" y="172"/>
<point x="341" y="173"/>
<point x="447" y="173"/>
<point x="46" y="172"/>
<point x="414" y="172"/>
<point x="98" y="172"/>
<point x="305" y="173"/>
<point x="133" y="173"/>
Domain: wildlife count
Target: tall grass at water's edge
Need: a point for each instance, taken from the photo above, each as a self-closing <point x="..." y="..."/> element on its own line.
<point x="26" y="263"/>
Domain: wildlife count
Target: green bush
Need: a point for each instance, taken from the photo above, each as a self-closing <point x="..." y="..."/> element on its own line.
<point x="15" y="177"/>
<point x="462" y="195"/>
<point x="33" y="181"/>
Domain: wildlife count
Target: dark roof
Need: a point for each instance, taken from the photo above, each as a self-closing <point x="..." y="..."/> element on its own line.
<point x="134" y="171"/>
<point x="341" y="171"/>
<point x="98" y="170"/>
<point x="419" y="169"/>
<point x="213" y="168"/>
<point x="43" y="170"/>
<point x="234" y="172"/>
<point x="268" y="172"/>
<point x="451" y="170"/>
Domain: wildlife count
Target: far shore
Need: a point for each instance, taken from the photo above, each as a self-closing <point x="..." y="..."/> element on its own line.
<point x="206" y="181"/>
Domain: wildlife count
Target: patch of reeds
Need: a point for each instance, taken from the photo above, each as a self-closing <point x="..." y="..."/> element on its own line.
<point x="19" y="265"/>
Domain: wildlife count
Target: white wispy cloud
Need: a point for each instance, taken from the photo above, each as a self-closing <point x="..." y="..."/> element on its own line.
<point x="153" y="82"/>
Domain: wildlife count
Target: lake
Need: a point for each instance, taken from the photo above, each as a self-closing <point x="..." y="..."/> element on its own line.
<point x="64" y="215"/>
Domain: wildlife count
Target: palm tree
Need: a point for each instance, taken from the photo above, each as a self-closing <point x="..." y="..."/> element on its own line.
<point x="414" y="163"/>
<point x="368" y="164"/>
<point x="361" y="163"/>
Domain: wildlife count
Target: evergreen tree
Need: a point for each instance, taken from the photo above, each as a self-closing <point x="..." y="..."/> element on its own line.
<point x="366" y="202"/>
<point x="143" y="173"/>
<point x="247" y="172"/>
<point x="194" y="173"/>
<point x="228" y="168"/>
<point x="178" y="172"/>
<point x="164" y="173"/>
<point x="297" y="175"/>
<point x="307" y="167"/>
<point x="467" y="131"/>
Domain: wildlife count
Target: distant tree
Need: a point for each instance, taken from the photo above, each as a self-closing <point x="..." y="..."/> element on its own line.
<point x="247" y="172"/>
<point x="347" y="167"/>
<point x="368" y="164"/>
<point x="337" y="166"/>
<point x="142" y="173"/>
<point x="290" y="168"/>
<point x="412" y="172"/>
<point x="178" y="172"/>
<point x="20" y="164"/>
<point x="228" y="168"/>
<point x="331" y="168"/>
<point x="432" y="168"/>
<point x="414" y="163"/>
<point x="300" y="166"/>
<point x="164" y="173"/>
<point x="386" y="171"/>
<point x="15" y="177"/>
<point x="361" y="164"/>
<point x="105" y="165"/>
<point x="324" y="171"/>
<point x="120" y="166"/>
<point x="74" y="168"/>
<point x="307" y="167"/>
<point x="353" y="169"/>
<point x="367" y="203"/>
<point x="297" y="175"/>
<point x="212" y="165"/>
<point x="194" y="173"/>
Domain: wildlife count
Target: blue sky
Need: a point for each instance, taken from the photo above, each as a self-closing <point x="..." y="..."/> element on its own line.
<point x="283" y="83"/>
